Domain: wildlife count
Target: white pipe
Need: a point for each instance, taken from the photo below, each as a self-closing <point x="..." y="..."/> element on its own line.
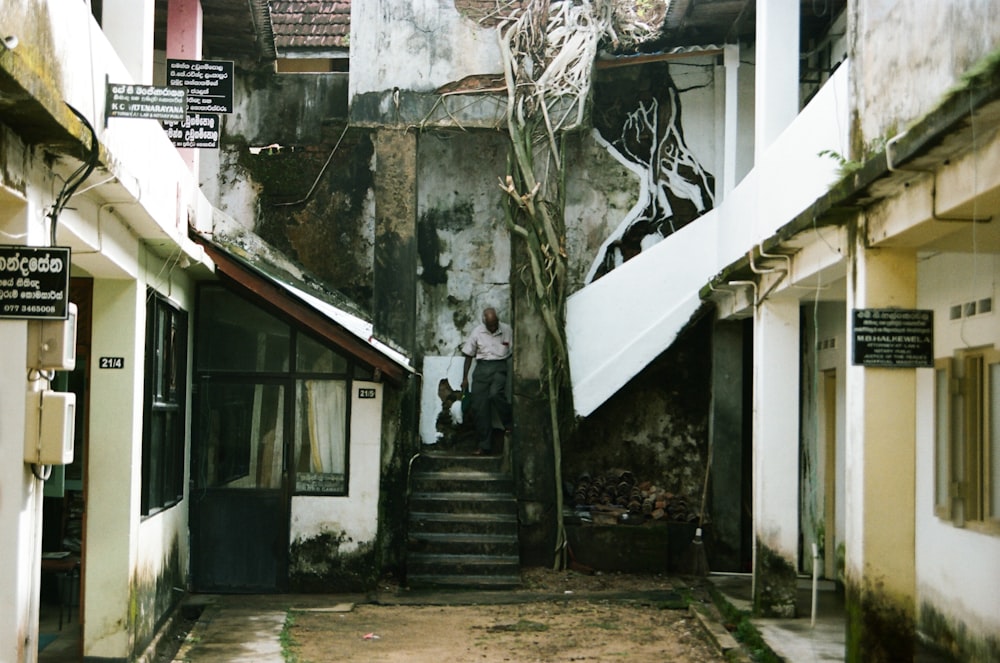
<point x="812" y="621"/>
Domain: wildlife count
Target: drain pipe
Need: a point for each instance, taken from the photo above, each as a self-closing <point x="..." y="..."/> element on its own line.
<point x="782" y="273"/>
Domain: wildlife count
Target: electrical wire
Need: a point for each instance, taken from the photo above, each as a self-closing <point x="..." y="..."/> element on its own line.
<point x="76" y="179"/>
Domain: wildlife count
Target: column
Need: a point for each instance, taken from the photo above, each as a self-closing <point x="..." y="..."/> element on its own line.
<point x="777" y="71"/>
<point x="184" y="36"/>
<point x="395" y="261"/>
<point x="114" y="468"/>
<point x="128" y="25"/>
<point x="776" y="457"/>
<point x="880" y="500"/>
<point x="726" y="432"/>
<point x="730" y="143"/>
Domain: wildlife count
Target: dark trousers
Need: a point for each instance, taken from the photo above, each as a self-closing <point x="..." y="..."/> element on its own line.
<point x="489" y="396"/>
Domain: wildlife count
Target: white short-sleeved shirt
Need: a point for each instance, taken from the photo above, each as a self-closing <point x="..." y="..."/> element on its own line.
<point x="483" y="344"/>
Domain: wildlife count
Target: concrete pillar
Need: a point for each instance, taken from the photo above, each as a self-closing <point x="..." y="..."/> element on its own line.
<point x="184" y="36"/>
<point x="880" y="498"/>
<point x="395" y="268"/>
<point x="128" y="25"/>
<point x="532" y="451"/>
<point x="730" y="144"/>
<point x="114" y="468"/>
<point x="776" y="456"/>
<point x="777" y="71"/>
<point x="726" y="431"/>
<point x="20" y="506"/>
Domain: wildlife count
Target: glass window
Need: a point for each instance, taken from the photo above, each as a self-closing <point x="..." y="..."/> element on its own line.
<point x="241" y="436"/>
<point x="313" y="357"/>
<point x="321" y="436"/>
<point x="235" y="335"/>
<point x="163" y="429"/>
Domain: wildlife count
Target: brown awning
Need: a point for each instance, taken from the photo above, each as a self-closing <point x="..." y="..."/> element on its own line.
<point x="339" y="327"/>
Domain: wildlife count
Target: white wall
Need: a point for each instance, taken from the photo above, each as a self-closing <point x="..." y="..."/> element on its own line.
<point x="958" y="570"/>
<point x="420" y="45"/>
<point x="354" y="518"/>
<point x="654" y="294"/>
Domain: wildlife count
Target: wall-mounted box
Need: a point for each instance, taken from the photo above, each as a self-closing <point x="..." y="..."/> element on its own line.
<point x="52" y="343"/>
<point x="50" y="418"/>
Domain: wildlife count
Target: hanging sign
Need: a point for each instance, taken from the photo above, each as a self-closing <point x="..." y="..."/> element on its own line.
<point x="196" y="131"/>
<point x="34" y="282"/>
<point x="146" y="102"/>
<point x="894" y="338"/>
<point x="209" y="84"/>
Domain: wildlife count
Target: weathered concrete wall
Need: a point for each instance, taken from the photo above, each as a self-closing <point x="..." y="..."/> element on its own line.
<point x="898" y="78"/>
<point x="309" y="191"/>
<point x="657" y="425"/>
<point x="421" y="45"/>
<point x="463" y="259"/>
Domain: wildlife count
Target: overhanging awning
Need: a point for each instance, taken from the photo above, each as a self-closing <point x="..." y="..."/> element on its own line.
<point x="330" y="322"/>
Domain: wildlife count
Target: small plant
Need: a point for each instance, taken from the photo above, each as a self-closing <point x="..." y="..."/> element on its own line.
<point x="845" y="166"/>
<point x="287" y="640"/>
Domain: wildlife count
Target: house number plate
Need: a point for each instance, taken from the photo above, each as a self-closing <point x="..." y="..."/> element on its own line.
<point x="366" y="392"/>
<point x="111" y="362"/>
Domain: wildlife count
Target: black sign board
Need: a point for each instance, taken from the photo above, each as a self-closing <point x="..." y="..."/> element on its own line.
<point x="147" y="102"/>
<point x="890" y="337"/>
<point x="34" y="282"/>
<point x="209" y="84"/>
<point x="111" y="362"/>
<point x="196" y="131"/>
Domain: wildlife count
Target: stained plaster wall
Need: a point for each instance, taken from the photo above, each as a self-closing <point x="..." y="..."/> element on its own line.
<point x="306" y="187"/>
<point x="657" y="425"/>
<point x="421" y="45"/>
<point x="899" y="78"/>
<point x="463" y="247"/>
<point x="957" y="595"/>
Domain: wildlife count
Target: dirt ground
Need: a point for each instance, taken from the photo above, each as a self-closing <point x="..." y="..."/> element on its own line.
<point x="591" y="621"/>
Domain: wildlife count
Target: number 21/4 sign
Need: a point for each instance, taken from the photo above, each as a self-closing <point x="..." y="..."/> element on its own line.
<point x="111" y="362"/>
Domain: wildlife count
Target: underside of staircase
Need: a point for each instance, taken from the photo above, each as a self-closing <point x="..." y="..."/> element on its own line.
<point x="462" y="523"/>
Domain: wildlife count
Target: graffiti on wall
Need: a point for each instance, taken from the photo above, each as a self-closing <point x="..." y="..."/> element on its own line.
<point x="638" y="120"/>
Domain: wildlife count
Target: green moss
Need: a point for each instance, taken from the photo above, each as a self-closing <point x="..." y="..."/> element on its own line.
<point x="738" y="623"/>
<point x="318" y="565"/>
<point x="776" y="584"/>
<point x="880" y="627"/>
<point x="953" y="638"/>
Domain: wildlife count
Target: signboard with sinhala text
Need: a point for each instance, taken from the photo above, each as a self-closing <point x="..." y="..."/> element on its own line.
<point x="34" y="282"/>
<point x="893" y="338"/>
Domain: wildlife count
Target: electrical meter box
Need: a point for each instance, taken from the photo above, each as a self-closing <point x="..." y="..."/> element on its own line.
<point x="52" y="343"/>
<point x="49" y="426"/>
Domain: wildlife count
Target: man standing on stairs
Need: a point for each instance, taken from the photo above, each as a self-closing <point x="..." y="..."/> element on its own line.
<point x="490" y="344"/>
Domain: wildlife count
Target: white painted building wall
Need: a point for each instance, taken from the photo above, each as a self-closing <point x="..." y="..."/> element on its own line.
<point x="958" y="569"/>
<point x="127" y="227"/>
<point x="353" y="518"/>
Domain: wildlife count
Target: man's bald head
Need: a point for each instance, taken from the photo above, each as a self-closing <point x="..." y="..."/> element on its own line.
<point x="490" y="319"/>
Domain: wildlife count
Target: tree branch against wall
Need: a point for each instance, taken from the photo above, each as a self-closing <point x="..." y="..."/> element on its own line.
<point x="548" y="48"/>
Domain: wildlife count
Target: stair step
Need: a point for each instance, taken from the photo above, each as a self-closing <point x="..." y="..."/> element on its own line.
<point x="463" y="565"/>
<point x="463" y="544"/>
<point x="466" y="523"/>
<point x="464" y="581"/>
<point x="463" y="502"/>
<point x="436" y="462"/>
<point x="469" y="481"/>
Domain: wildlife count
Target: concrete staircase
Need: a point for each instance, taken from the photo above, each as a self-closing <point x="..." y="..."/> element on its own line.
<point x="462" y="523"/>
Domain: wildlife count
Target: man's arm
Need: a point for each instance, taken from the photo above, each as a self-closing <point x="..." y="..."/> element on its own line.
<point x="465" y="373"/>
